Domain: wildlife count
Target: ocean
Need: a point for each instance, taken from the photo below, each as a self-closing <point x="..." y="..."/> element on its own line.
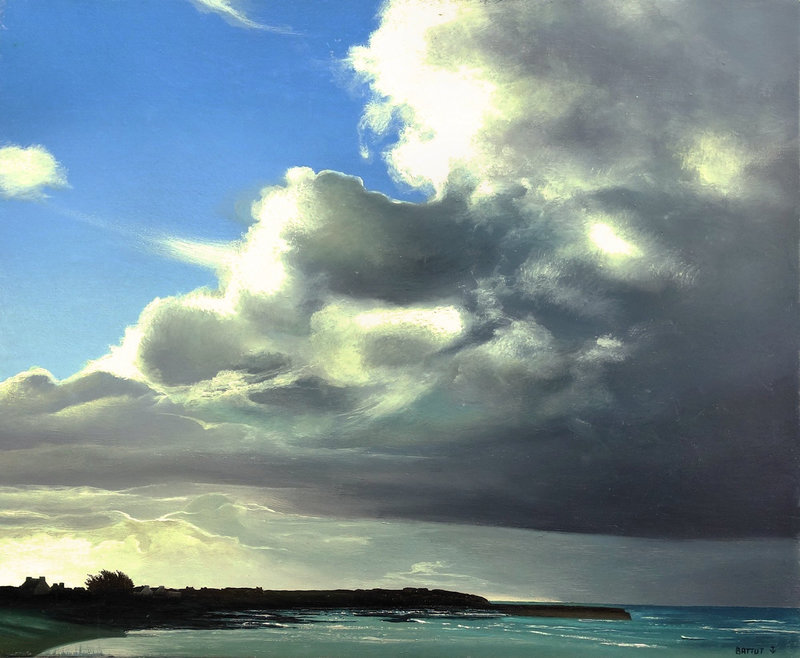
<point x="653" y="631"/>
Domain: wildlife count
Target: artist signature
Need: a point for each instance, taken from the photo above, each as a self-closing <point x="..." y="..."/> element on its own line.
<point x="754" y="650"/>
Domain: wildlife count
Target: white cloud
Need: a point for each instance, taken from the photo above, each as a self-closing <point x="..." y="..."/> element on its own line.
<point x="348" y="307"/>
<point x="442" y="107"/>
<point x="24" y="172"/>
<point x="214" y="255"/>
<point x="504" y="94"/>
<point x="230" y="12"/>
<point x="275" y="321"/>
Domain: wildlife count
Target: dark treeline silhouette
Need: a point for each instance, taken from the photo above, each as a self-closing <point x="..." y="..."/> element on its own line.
<point x="111" y="600"/>
<point x="109" y="582"/>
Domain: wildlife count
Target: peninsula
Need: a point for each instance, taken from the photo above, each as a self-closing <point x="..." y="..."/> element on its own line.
<point x="81" y="612"/>
<point x="146" y="607"/>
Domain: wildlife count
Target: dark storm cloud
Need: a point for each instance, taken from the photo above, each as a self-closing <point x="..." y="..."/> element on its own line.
<point x="591" y="327"/>
<point x="673" y="131"/>
<point x="367" y="245"/>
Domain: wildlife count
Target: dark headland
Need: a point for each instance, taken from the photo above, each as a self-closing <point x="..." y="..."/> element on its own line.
<point x="146" y="607"/>
<point x="36" y="617"/>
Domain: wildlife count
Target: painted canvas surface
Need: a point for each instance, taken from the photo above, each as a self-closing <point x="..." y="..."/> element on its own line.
<point x="490" y="296"/>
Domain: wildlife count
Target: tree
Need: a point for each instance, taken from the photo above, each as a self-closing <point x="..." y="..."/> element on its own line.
<point x="109" y="582"/>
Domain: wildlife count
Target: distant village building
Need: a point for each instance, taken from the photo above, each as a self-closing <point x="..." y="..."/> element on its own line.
<point x="35" y="586"/>
<point x="144" y="590"/>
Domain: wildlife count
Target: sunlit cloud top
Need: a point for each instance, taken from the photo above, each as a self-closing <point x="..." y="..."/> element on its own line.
<point x="441" y="106"/>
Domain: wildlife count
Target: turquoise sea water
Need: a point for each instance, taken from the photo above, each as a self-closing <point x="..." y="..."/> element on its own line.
<point x="653" y="631"/>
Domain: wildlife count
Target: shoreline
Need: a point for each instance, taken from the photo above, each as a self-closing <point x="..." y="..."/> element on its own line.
<point x="207" y="607"/>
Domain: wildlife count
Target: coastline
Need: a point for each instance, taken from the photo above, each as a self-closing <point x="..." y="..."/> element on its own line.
<point x="46" y="619"/>
<point x="654" y="631"/>
<point x="207" y="608"/>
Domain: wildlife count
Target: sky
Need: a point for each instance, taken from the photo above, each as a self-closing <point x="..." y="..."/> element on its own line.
<point x="498" y="297"/>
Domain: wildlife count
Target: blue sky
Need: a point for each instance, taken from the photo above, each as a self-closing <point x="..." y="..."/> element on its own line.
<point x="168" y="121"/>
<point x="555" y="306"/>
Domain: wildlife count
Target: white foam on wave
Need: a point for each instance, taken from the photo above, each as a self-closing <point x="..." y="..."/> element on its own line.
<point x="382" y="640"/>
<point x="766" y="629"/>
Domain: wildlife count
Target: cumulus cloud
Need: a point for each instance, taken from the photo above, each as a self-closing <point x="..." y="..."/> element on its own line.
<point x="569" y="334"/>
<point x="349" y="306"/>
<point x="24" y="172"/>
<point x="115" y="416"/>
<point x="466" y="98"/>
